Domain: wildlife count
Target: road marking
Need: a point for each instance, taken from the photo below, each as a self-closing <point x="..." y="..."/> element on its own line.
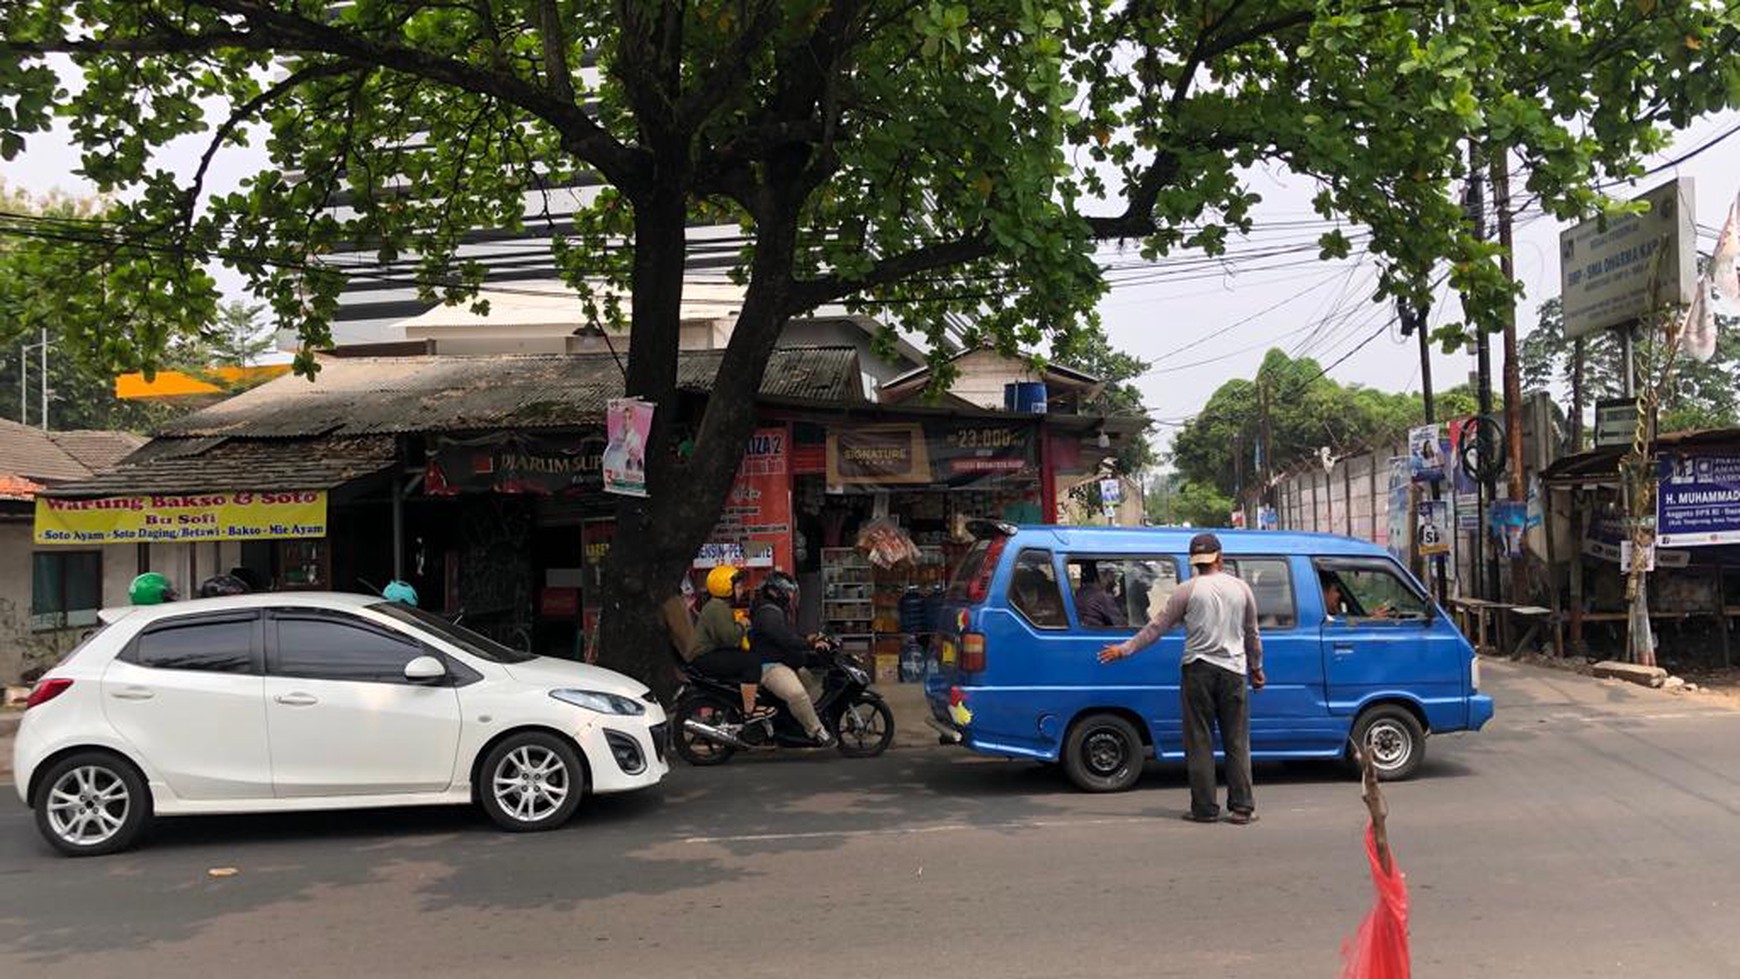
<point x="917" y="830"/>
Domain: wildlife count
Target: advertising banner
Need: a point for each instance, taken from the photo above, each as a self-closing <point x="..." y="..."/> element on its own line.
<point x="1432" y="527"/>
<point x="627" y="428"/>
<point x="977" y="452"/>
<point x="1698" y="500"/>
<point x="878" y="455"/>
<point x="513" y="463"/>
<point x="1615" y="269"/>
<point x="192" y="517"/>
<point x="754" y="529"/>
<point x="1425" y="454"/>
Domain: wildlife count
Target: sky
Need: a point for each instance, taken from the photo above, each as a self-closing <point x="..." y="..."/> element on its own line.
<point x="1202" y="323"/>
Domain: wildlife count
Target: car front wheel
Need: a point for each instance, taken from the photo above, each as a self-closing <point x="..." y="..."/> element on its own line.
<point x="92" y="803"/>
<point x="1395" y="740"/>
<point x="531" y="782"/>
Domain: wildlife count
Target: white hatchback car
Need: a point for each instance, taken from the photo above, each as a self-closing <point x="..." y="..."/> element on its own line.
<point x="280" y="702"/>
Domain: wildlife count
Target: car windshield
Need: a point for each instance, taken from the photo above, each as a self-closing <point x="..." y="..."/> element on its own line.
<point x="458" y="635"/>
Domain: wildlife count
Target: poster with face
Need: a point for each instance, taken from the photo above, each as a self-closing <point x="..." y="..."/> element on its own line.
<point x="628" y="424"/>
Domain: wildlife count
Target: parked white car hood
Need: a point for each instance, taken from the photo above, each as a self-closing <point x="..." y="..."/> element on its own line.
<point x="552" y="672"/>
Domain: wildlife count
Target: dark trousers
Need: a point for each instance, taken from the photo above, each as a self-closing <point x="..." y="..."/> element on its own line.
<point x="1214" y="697"/>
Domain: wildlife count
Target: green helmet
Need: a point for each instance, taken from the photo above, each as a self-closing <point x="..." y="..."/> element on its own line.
<point x="151" y="588"/>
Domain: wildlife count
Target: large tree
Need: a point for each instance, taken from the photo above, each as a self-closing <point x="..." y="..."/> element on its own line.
<point x="946" y="161"/>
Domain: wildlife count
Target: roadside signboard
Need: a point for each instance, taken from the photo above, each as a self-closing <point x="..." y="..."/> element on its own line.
<point x="1615" y="422"/>
<point x="1613" y="272"/>
<point x="1698" y="500"/>
<point x="169" y="518"/>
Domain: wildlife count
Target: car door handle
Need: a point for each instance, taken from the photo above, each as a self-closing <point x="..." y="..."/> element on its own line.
<point x="1343" y="649"/>
<point x="296" y="699"/>
<point x="132" y="693"/>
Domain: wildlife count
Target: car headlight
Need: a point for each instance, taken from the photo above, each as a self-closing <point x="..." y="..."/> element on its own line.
<point x="603" y="703"/>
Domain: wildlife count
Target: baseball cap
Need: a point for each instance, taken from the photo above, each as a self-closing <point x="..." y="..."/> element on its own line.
<point x="1204" y="549"/>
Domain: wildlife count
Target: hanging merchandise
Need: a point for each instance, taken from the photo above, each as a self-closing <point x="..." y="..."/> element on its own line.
<point x="886" y="544"/>
<point x="628" y="425"/>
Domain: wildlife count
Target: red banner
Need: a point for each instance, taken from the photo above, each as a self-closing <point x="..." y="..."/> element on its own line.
<point x="757" y="514"/>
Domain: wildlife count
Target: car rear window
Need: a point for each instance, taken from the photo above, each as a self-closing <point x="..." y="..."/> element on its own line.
<point x="969" y="569"/>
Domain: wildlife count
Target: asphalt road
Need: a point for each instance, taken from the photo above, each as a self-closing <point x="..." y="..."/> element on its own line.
<point x="1589" y="832"/>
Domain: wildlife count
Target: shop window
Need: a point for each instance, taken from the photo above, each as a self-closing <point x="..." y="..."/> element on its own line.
<point x="1368" y="591"/>
<point x="1120" y="592"/>
<point x="203" y="645"/>
<point x="1033" y="591"/>
<point x="1271" y="581"/>
<point x="66" y="589"/>
<point x="327" y="647"/>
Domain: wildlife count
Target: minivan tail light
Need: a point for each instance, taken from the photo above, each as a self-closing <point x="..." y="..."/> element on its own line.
<point x="972" y="652"/>
<point x="46" y="690"/>
<point x="980" y="586"/>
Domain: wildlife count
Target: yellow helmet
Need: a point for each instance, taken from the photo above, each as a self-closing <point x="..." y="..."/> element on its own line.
<point x="720" y="580"/>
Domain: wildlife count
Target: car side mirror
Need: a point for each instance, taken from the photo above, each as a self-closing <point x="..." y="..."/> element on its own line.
<point x="425" y="669"/>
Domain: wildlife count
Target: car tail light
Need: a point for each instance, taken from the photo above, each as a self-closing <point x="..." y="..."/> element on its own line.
<point x="980" y="586"/>
<point x="972" y="652"/>
<point x="46" y="690"/>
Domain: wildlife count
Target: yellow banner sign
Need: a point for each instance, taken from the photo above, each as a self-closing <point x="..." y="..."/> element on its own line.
<point x="177" y="518"/>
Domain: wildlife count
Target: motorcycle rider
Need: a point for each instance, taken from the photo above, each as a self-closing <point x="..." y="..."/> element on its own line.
<point x="720" y="650"/>
<point x="783" y="652"/>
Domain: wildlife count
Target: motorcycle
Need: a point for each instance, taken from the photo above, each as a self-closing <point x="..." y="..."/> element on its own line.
<point x="709" y="714"/>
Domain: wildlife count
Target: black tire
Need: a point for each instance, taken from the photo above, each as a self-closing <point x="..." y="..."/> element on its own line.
<point x="91" y="803"/>
<point x="1394" y="737"/>
<point x="1103" y="753"/>
<point x="531" y="782"/>
<point x="707" y="709"/>
<point x="864" y="728"/>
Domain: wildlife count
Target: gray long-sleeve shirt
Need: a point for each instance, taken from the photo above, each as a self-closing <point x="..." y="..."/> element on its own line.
<point x="1220" y="623"/>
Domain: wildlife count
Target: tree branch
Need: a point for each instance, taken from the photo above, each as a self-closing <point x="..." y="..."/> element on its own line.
<point x="926" y="258"/>
<point x="560" y="80"/>
<point x="730" y="72"/>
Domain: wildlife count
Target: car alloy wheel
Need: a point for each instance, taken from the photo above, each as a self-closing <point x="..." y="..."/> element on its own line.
<point x="88" y="805"/>
<point x="530" y="783"/>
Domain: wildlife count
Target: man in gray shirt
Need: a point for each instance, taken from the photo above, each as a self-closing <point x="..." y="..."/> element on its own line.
<point x="1221" y="649"/>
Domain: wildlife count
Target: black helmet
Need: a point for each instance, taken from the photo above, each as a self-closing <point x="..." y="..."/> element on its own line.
<point x="222" y="584"/>
<point x="779" y="588"/>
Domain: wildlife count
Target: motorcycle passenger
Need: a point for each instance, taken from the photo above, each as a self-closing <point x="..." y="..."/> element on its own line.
<point x="719" y="648"/>
<point x="783" y="652"/>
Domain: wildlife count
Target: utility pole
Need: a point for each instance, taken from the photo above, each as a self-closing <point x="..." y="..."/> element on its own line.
<point x="43" y="371"/>
<point x="1512" y="366"/>
<point x="1414" y="321"/>
<point x="1488" y="587"/>
<point x="1577" y="395"/>
<point x="1267" y="448"/>
<point x="24" y="380"/>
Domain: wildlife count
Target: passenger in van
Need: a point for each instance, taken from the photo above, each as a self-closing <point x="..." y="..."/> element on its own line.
<point x="1222" y="648"/>
<point x="1094" y="604"/>
<point x="1036" y="597"/>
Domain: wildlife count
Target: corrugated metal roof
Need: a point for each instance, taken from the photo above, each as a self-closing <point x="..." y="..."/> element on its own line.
<point x="385" y="395"/>
<point x="171" y="465"/>
<point x="98" y="450"/>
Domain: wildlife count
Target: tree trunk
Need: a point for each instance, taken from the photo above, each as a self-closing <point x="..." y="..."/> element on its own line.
<point x="657" y="537"/>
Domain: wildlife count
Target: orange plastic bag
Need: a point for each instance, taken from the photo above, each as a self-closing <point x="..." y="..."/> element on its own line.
<point x="1379" y="950"/>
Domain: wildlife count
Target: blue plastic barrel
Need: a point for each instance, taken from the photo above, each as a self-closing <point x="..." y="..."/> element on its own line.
<point x="1027" y="396"/>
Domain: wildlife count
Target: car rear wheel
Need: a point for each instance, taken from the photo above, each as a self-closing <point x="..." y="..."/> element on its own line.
<point x="1103" y="753"/>
<point x="92" y="803"/>
<point x="1395" y="739"/>
<point x="532" y="781"/>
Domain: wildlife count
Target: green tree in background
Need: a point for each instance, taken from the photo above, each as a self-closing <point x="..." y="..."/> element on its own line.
<point x="941" y="163"/>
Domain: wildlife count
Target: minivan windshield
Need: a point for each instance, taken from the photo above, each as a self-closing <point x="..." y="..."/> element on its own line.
<point x="458" y="635"/>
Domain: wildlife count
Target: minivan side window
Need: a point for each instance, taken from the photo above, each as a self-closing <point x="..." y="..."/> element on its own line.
<point x="206" y="645"/>
<point x="1271" y="581"/>
<point x="1120" y="592"/>
<point x="1367" y="590"/>
<point x="1033" y="591"/>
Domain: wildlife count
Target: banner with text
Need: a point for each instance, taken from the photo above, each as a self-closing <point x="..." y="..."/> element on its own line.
<point x="754" y="530"/>
<point x="537" y="464"/>
<point x="1698" y="500"/>
<point x="174" y="518"/>
<point x="963" y="453"/>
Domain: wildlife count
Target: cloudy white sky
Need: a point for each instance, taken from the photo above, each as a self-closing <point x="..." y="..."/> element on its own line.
<point x="1202" y="322"/>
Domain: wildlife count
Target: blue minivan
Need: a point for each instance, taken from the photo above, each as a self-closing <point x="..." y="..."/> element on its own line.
<point x="1353" y="646"/>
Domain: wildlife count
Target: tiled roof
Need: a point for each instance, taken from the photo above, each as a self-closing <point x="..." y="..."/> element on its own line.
<point x="51" y="457"/>
<point x="389" y="395"/>
<point x="174" y="465"/>
<point x="17" y="489"/>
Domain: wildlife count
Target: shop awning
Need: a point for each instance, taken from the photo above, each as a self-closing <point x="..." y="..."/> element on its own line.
<point x="1602" y="465"/>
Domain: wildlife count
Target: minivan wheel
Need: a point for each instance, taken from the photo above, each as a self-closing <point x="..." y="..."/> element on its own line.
<point x="91" y="803"/>
<point x="532" y="781"/>
<point x="1103" y="753"/>
<point x="1395" y="740"/>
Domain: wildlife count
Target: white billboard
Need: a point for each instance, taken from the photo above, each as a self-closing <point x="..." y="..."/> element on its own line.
<point x="1605" y="275"/>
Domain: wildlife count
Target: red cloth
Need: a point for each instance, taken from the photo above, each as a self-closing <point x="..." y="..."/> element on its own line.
<point x="1379" y="950"/>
